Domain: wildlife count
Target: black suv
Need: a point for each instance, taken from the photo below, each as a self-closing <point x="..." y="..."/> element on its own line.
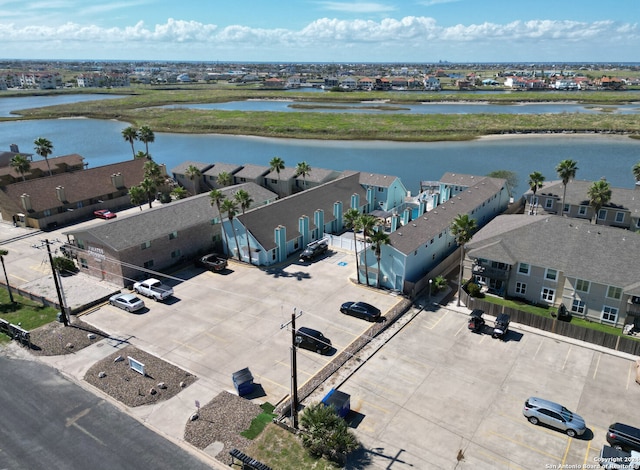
<point x="313" y="340"/>
<point x="313" y="250"/>
<point x="624" y="437"/>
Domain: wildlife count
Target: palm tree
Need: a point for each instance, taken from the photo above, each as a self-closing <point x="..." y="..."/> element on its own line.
<point x="146" y="135"/>
<point x="243" y="198"/>
<point x="137" y="196"/>
<point x="231" y="209"/>
<point x="4" y="253"/>
<point x="535" y="182"/>
<point x="367" y="223"/>
<point x="636" y="172"/>
<point x="140" y="154"/>
<point x="130" y="134"/>
<point x="462" y="229"/>
<point x="179" y="192"/>
<point x="21" y="164"/>
<point x="352" y="221"/>
<point x="599" y="194"/>
<point x="149" y="186"/>
<point x="224" y="179"/>
<point x="379" y="238"/>
<point x="193" y="172"/>
<point x="277" y="164"/>
<point x="217" y="198"/>
<point x="303" y="169"/>
<point x="44" y="148"/>
<point x="566" y="171"/>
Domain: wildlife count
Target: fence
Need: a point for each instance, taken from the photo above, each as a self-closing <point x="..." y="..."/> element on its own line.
<point x="15" y="332"/>
<point x="563" y="328"/>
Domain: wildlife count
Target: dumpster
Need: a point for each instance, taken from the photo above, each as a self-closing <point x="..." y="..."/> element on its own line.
<point x="243" y="381"/>
<point x="339" y="400"/>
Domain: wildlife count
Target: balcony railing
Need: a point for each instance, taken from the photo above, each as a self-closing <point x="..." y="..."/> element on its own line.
<point x="491" y="273"/>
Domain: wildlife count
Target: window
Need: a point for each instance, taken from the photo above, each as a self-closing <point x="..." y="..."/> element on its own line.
<point x="582" y="286"/>
<point x="175" y="254"/>
<point x="145" y="245"/>
<point x="609" y="314"/>
<point x="614" y="292"/>
<point x="80" y="205"/>
<point x="498" y="265"/>
<point x="548" y="294"/>
<point x="274" y="181"/>
<point x="619" y="217"/>
<point x="521" y="288"/>
<point x="548" y="203"/>
<point x="551" y="274"/>
<point x="565" y="208"/>
<point x="524" y="268"/>
<point x="80" y="244"/>
<point x="173" y="235"/>
<point x="582" y="210"/>
<point x="577" y="306"/>
<point x="83" y="263"/>
<point x="47" y="212"/>
<point x="602" y="214"/>
<point x="148" y="264"/>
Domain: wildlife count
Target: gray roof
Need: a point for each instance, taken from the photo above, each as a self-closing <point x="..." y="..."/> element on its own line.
<point x="375" y="179"/>
<point x="262" y="221"/>
<point x="319" y="175"/>
<point x="252" y="171"/>
<point x="579" y="249"/>
<point x="621" y="198"/>
<point x="126" y="232"/>
<point x="287" y="173"/>
<point x="218" y="168"/>
<point x="461" y="179"/>
<point x="182" y="168"/>
<point x="409" y="237"/>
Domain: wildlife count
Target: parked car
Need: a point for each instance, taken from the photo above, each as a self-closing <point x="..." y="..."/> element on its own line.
<point x="313" y="340"/>
<point x="501" y="326"/>
<point x="623" y="437"/>
<point x="476" y="322"/>
<point x="361" y="310"/>
<point x="154" y="289"/>
<point x="313" y="250"/>
<point x="615" y="459"/>
<point x="212" y="262"/>
<point x="537" y="410"/>
<point x="128" y="302"/>
<point x="104" y="214"/>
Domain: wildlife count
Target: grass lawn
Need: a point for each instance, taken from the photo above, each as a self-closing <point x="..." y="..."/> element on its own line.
<point x="28" y="313"/>
<point x="279" y="448"/>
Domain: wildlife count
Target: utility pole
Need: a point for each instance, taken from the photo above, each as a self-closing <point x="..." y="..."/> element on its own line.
<point x="294" y="369"/>
<point x="63" y="308"/>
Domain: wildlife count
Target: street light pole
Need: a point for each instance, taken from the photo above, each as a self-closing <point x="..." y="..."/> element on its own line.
<point x="63" y="310"/>
<point x="294" y="369"/>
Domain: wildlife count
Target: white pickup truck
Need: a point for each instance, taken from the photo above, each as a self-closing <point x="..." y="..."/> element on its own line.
<point x="153" y="289"/>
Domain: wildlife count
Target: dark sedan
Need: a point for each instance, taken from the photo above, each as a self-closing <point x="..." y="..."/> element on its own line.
<point x="361" y="310"/>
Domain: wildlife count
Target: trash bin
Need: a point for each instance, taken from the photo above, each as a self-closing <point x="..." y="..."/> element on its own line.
<point x="243" y="381"/>
<point x="339" y="400"/>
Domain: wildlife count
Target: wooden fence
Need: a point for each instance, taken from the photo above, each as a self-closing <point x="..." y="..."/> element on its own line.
<point x="553" y="325"/>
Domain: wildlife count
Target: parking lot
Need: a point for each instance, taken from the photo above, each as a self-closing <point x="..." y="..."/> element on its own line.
<point x="434" y="396"/>
<point x="437" y="389"/>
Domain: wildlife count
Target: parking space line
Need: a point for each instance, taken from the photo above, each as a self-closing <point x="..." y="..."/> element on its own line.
<point x="566" y="358"/>
<point x="459" y="330"/>
<point x="566" y="452"/>
<point x="284" y="387"/>
<point x="522" y="444"/>
<point x="217" y="338"/>
<point x="438" y="320"/>
<point x="595" y="371"/>
<point x="18" y="277"/>
<point x="186" y="346"/>
<point x="631" y="372"/>
<point x="501" y="461"/>
<point x="537" y="350"/>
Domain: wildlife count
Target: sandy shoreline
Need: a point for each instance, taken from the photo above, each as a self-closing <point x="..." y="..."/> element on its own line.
<point x="557" y="135"/>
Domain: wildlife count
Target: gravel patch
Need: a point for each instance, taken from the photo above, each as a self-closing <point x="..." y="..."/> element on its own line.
<point x="114" y="377"/>
<point x="222" y="420"/>
<point x="55" y="339"/>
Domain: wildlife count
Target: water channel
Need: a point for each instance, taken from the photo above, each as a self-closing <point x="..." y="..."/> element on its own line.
<point x="100" y="143"/>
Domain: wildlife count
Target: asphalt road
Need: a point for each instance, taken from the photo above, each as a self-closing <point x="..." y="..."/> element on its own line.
<point x="50" y="423"/>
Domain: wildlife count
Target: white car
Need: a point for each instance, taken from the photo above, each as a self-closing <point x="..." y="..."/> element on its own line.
<point x="128" y="302"/>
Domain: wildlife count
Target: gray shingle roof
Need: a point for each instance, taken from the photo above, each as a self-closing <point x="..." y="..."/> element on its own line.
<point x="409" y="237"/>
<point x="182" y="168"/>
<point x="252" y="171"/>
<point x="595" y="253"/>
<point x="262" y="221"/>
<point x="375" y="179"/>
<point x="218" y="168"/>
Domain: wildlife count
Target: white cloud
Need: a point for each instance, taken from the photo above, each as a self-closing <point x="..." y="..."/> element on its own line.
<point x="357" y="7"/>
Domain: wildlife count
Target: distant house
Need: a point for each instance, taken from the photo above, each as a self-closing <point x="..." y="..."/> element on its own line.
<point x="71" y="196"/>
<point x="552" y="260"/>
<point x="251" y="173"/>
<point x="316" y="177"/>
<point x="431" y="83"/>
<point x="366" y="84"/>
<point x="39" y="168"/>
<point x="210" y="176"/>
<point x="622" y="211"/>
<point x="127" y="248"/>
<point x="180" y="174"/>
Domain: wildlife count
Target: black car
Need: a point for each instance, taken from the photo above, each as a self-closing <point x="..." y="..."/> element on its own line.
<point x="624" y="437"/>
<point x="313" y="340"/>
<point x="313" y="250"/>
<point x="476" y="322"/>
<point x="501" y="325"/>
<point x="361" y="310"/>
<point x="212" y="262"/>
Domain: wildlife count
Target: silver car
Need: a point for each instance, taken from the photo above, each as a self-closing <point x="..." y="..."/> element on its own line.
<point x="128" y="302"/>
<point x="537" y="410"/>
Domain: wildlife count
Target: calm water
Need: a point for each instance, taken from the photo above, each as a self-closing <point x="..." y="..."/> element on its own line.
<point x="101" y="142"/>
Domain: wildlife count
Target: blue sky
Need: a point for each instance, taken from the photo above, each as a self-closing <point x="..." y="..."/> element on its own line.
<point x="419" y="31"/>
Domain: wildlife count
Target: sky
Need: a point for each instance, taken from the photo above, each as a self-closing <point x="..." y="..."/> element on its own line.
<point x="396" y="31"/>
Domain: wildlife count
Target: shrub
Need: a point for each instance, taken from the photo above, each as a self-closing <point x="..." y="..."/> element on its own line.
<point x="64" y="265"/>
<point x="326" y="434"/>
<point x="473" y="290"/>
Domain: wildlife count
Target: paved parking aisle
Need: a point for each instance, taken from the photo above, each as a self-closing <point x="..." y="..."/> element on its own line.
<point x="439" y="396"/>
